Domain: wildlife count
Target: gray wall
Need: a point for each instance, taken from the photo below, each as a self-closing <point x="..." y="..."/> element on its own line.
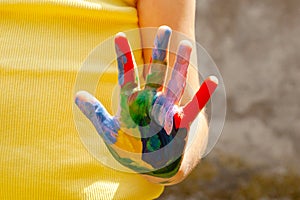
<point x="256" y="45"/>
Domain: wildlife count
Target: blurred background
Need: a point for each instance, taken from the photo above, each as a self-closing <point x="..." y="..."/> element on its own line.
<point x="256" y="45"/>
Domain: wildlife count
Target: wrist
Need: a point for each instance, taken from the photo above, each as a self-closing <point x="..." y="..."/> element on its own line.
<point x="183" y="166"/>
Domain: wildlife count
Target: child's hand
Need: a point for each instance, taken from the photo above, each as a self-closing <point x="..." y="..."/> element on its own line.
<point x="150" y="130"/>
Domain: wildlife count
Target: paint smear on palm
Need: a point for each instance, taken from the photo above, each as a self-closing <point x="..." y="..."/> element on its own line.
<point x="140" y="105"/>
<point x="128" y="143"/>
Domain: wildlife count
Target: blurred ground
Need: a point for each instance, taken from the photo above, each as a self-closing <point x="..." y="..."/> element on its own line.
<point x="256" y="44"/>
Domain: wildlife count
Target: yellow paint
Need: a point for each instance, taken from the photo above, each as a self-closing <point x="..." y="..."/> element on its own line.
<point x="129" y="143"/>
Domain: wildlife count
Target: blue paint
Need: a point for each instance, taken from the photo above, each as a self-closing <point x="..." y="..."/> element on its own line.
<point x="178" y="81"/>
<point x="174" y="146"/>
<point x="158" y="67"/>
<point x="106" y="126"/>
<point x="162" y="113"/>
<point x="149" y="111"/>
<point x="122" y="60"/>
<point x="161" y="42"/>
<point x="109" y="125"/>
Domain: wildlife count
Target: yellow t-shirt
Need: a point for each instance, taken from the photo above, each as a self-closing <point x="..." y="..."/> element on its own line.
<point x="42" y="46"/>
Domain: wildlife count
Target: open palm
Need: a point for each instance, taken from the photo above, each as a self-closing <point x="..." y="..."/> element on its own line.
<point x="149" y="132"/>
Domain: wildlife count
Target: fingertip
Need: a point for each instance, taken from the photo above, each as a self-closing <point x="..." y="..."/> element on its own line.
<point x="186" y="44"/>
<point x="120" y="35"/>
<point x="122" y="44"/>
<point x="211" y="83"/>
<point x="213" y="79"/>
<point x="83" y="96"/>
<point x="184" y="49"/>
<point x="161" y="43"/>
<point x="163" y="36"/>
<point x="164" y="29"/>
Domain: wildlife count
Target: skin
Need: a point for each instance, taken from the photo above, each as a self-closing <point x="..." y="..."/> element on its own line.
<point x="154" y="13"/>
<point x="160" y="143"/>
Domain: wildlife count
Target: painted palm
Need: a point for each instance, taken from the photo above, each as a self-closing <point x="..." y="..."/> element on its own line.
<point x="149" y="132"/>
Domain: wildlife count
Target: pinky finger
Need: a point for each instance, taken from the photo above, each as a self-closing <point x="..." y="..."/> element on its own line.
<point x="191" y="109"/>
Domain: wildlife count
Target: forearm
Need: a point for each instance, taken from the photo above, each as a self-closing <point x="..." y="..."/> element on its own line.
<point x="154" y="13"/>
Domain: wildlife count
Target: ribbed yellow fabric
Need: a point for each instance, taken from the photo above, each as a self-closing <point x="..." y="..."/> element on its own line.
<point x="42" y="46"/>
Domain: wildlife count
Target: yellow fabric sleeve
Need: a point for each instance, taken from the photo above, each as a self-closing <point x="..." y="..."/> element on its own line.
<point x="42" y="46"/>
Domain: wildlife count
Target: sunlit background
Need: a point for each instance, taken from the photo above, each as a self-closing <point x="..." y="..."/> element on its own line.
<point x="256" y="45"/>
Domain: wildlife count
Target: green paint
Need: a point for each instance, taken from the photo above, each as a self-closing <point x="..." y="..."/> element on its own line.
<point x="140" y="104"/>
<point x="156" y="78"/>
<point x="126" y="119"/>
<point x="128" y="162"/>
<point x="168" y="171"/>
<point x="153" y="144"/>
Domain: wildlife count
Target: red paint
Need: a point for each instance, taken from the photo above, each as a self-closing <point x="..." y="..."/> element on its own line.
<point x="191" y="110"/>
<point x="177" y="120"/>
<point x="124" y="47"/>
